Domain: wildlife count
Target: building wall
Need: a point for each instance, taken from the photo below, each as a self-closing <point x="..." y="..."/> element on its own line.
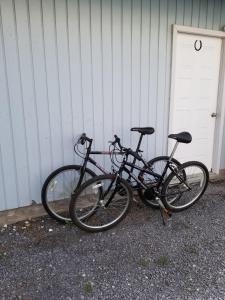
<point x="73" y="66"/>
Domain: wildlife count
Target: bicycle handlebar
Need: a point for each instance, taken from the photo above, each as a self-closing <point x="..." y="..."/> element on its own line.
<point x="127" y="150"/>
<point x="84" y="138"/>
<point x="117" y="141"/>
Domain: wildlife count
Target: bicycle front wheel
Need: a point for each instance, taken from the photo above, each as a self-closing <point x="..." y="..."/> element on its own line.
<point x="180" y="192"/>
<point x="99" y="203"/>
<point x="58" y="188"/>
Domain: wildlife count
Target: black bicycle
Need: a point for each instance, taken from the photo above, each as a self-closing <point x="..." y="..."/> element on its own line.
<point x="62" y="183"/>
<point x="103" y="201"/>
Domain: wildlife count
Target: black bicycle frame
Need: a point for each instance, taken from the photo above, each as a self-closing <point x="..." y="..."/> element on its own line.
<point x="147" y="171"/>
<point x="93" y="162"/>
<point x="125" y="163"/>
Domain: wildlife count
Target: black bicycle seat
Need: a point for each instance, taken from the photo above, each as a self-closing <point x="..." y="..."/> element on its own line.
<point x="144" y="130"/>
<point x="182" y="137"/>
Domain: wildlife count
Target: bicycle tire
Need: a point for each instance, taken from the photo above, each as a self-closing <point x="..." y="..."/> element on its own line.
<point x="45" y="202"/>
<point x="81" y="198"/>
<point x="183" y="187"/>
<point x="152" y="203"/>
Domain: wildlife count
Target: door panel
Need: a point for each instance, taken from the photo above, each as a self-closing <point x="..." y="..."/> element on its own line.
<point x="195" y="95"/>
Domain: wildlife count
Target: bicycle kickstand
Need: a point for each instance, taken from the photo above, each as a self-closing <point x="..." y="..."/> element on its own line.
<point x="165" y="213"/>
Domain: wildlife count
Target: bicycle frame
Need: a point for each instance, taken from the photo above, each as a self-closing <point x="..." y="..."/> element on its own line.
<point x="94" y="163"/>
<point x="148" y="171"/>
<point x="132" y="165"/>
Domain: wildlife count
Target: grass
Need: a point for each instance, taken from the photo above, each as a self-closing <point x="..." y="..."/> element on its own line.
<point x="88" y="287"/>
<point x="69" y="222"/>
<point x="143" y="263"/>
<point x="163" y="261"/>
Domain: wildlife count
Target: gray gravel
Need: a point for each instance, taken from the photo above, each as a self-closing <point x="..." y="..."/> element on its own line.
<point x="137" y="259"/>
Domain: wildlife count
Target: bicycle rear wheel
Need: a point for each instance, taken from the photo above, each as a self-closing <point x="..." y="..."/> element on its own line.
<point x="179" y="192"/>
<point x="58" y="188"/>
<point x="99" y="204"/>
<point x="157" y="165"/>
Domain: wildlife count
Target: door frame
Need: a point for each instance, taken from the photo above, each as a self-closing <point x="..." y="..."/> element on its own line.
<point x="218" y="131"/>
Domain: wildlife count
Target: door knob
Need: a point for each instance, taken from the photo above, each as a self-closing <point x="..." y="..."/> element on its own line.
<point x="213" y="115"/>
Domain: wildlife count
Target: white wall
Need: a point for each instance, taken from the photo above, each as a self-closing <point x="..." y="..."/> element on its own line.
<point x="73" y="66"/>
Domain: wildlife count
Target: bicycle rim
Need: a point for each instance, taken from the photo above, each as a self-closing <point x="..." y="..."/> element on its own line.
<point x="179" y="193"/>
<point x="99" y="204"/>
<point x="58" y="190"/>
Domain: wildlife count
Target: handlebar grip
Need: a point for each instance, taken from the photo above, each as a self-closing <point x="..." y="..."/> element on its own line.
<point x="84" y="138"/>
<point x="117" y="140"/>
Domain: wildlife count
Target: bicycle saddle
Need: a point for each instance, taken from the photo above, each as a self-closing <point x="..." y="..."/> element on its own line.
<point x="144" y="130"/>
<point x="182" y="137"/>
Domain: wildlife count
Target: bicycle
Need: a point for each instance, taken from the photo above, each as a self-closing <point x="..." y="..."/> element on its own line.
<point x="62" y="183"/>
<point x="103" y="201"/>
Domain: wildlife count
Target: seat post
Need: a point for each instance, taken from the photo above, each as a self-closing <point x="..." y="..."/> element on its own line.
<point x="137" y="149"/>
<point x="139" y="142"/>
<point x="173" y="151"/>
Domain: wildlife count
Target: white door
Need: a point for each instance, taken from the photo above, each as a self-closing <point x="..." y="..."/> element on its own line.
<point x="197" y="65"/>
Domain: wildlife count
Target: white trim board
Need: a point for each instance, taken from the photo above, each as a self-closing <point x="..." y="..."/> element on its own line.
<point x="218" y="133"/>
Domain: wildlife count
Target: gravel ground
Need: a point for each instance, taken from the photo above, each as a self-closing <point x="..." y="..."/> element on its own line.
<point x="138" y="259"/>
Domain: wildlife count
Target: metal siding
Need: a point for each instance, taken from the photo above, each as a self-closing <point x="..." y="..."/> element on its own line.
<point x="69" y="66"/>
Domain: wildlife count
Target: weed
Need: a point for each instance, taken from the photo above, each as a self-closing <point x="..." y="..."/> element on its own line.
<point x="88" y="287"/>
<point x="163" y="261"/>
<point x="143" y="262"/>
<point x="69" y="222"/>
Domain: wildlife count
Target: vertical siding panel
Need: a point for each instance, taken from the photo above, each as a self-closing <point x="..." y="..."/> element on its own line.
<point x="75" y="66"/>
<point x="187" y="12"/>
<point x="153" y="71"/>
<point x="16" y="101"/>
<point x="136" y="70"/>
<point x="86" y="60"/>
<point x="8" y="165"/>
<point x="180" y="12"/>
<point x="64" y="79"/>
<point x="222" y="17"/>
<point x="216" y="14"/>
<point x="161" y="76"/>
<point x="107" y="69"/>
<point x="52" y="74"/>
<point x="210" y="11"/>
<point x="41" y="91"/>
<point x="126" y="60"/>
<point x="144" y="108"/>
<point x="195" y="13"/>
<point x="117" y="70"/>
<point x="98" y="104"/>
<point x="171" y="20"/>
<point x="203" y="13"/>
<point x="25" y="62"/>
